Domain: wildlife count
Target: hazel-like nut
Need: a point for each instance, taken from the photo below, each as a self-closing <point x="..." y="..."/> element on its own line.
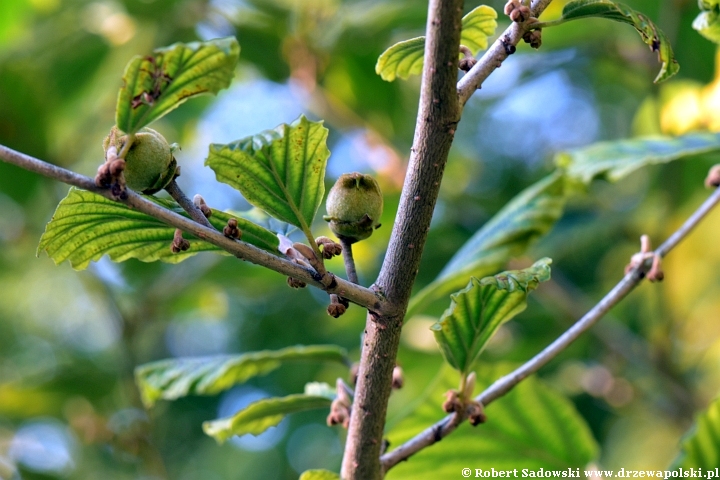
<point x="354" y="206"/>
<point x="149" y="162"/>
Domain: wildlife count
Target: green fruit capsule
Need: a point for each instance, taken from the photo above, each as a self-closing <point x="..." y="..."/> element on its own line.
<point x="354" y="206"/>
<point x="149" y="164"/>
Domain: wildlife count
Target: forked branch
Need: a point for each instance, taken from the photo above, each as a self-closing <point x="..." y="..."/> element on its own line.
<point x="500" y="387"/>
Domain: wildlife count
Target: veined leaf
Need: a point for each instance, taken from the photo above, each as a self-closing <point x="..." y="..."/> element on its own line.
<point x="650" y="33"/>
<point x="87" y="226"/>
<point x="319" y="475"/>
<point x="156" y="84"/>
<point x="531" y="427"/>
<point x="477" y="311"/>
<point x="530" y="215"/>
<point x="280" y="171"/>
<point x="174" y="378"/>
<point x="406" y="58"/>
<point x="614" y="160"/>
<point x="261" y="415"/>
<point x="701" y="445"/>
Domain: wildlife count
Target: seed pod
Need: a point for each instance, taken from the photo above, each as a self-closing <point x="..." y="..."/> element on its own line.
<point x="149" y="163"/>
<point x="354" y="206"/>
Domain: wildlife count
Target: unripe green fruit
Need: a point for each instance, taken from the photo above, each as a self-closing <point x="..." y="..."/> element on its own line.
<point x="149" y="164"/>
<point x="354" y="206"/>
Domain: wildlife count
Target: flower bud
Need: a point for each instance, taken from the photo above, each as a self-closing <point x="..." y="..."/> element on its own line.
<point x="354" y="206"/>
<point x="149" y="163"/>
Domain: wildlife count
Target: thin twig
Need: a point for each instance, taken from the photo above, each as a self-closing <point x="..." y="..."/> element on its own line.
<point x="503" y="385"/>
<point x="349" y="260"/>
<point x="496" y="54"/>
<point x="330" y="283"/>
<point x="195" y="213"/>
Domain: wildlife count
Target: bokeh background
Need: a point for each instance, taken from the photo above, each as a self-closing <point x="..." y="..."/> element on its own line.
<point x="69" y="340"/>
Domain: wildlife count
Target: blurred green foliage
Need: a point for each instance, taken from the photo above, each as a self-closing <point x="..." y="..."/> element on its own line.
<point x="69" y="340"/>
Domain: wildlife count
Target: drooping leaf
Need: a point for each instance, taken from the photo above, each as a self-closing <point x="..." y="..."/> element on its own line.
<point x="701" y="446"/>
<point x="531" y="427"/>
<point x="261" y="415"/>
<point x="280" y="171"/>
<point x="616" y="159"/>
<point x="406" y="58"/>
<point x="87" y="226"/>
<point x="174" y="378"/>
<point x="650" y="33"/>
<point x="530" y="215"/>
<point x="478" y="310"/>
<point x="319" y="475"/>
<point x="156" y="84"/>
<point x="707" y="23"/>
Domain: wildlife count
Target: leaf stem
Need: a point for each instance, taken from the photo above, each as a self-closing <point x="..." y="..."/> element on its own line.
<point x="553" y="23"/>
<point x="195" y="213"/>
<point x="500" y="387"/>
<point x="126" y="147"/>
<point x="348" y="259"/>
<point x="331" y="284"/>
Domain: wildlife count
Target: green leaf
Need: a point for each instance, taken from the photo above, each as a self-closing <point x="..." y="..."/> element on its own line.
<point x="617" y="159"/>
<point x="156" y="84"/>
<point x="708" y="23"/>
<point x="530" y="427"/>
<point x="478" y="310"/>
<point x="530" y="215"/>
<point x="619" y="12"/>
<point x="319" y="475"/>
<point x="174" y="378"/>
<point x="701" y="445"/>
<point x="406" y="58"/>
<point x="87" y="226"/>
<point x="261" y="415"/>
<point x="280" y="171"/>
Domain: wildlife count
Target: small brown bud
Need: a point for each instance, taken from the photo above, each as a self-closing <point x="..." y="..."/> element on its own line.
<point x="476" y="413"/>
<point x="104" y="177"/>
<point x="116" y="167"/>
<point x="713" y="178"/>
<point x="339" y="414"/>
<point x="452" y="401"/>
<point x="520" y="14"/>
<point x="179" y="244"/>
<point x="199" y="202"/>
<point x="466" y="64"/>
<point x="655" y="274"/>
<point x="511" y="5"/>
<point x="231" y="229"/>
<point x="295" y="283"/>
<point x="329" y="248"/>
<point x="397" y="378"/>
<point x="336" y="310"/>
<point x="534" y="38"/>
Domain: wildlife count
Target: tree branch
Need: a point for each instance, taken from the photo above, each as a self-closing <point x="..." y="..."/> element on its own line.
<point x="496" y="54"/>
<point x="195" y="213"/>
<point x="332" y="284"/>
<point x="503" y="385"/>
<point x="438" y="115"/>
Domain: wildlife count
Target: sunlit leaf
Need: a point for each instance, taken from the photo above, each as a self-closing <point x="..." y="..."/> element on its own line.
<point x="650" y="33"/>
<point x="478" y="310"/>
<point x="530" y="215"/>
<point x="701" y="446"/>
<point x="707" y="23"/>
<point x="87" y="226"/>
<point x="616" y="159"/>
<point x="319" y="475"/>
<point x="406" y="58"/>
<point x="261" y="415"/>
<point x="281" y="171"/>
<point x="174" y="378"/>
<point x="155" y="84"/>
<point x="531" y="427"/>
